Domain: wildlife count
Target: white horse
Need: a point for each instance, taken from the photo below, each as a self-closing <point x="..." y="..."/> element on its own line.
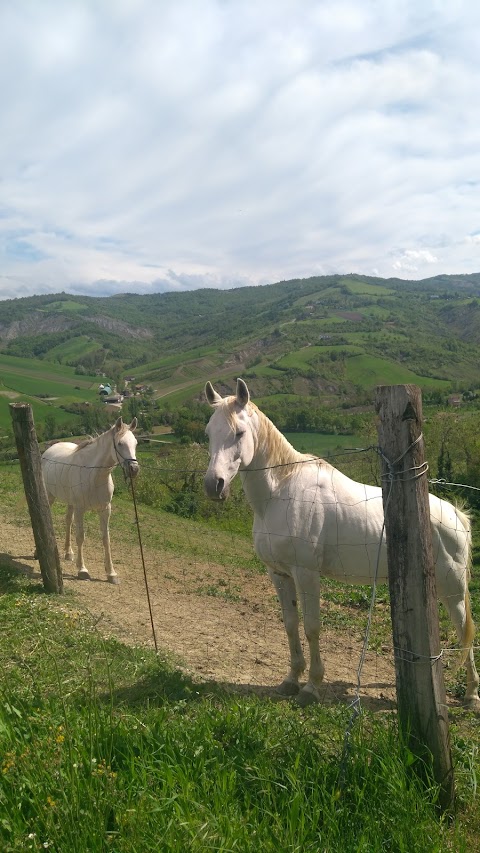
<point x="312" y="520"/>
<point x="80" y="475"/>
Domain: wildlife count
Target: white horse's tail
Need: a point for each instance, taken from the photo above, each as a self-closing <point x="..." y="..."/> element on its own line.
<point x="469" y="628"/>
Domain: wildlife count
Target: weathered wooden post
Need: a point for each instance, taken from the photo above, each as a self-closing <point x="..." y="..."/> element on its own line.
<point x="420" y="686"/>
<point x="37" y="500"/>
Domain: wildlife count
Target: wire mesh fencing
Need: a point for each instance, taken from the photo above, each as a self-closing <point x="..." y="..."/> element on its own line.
<point x="191" y="584"/>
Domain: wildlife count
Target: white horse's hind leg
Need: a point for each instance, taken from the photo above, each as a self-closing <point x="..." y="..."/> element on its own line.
<point x="104" y="527"/>
<point x="287" y="596"/>
<point x="308" y="586"/>
<point x="472" y="699"/>
<point x="68" y="534"/>
<point x="82" y="571"/>
<point x="457" y="608"/>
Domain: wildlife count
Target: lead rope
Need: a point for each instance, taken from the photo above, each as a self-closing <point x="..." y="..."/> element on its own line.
<point x="143" y="563"/>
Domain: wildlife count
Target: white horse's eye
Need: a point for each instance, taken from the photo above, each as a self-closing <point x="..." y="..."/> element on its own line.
<point x="239" y="434"/>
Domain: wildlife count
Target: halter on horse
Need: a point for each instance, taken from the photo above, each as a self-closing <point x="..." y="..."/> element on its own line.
<point x="80" y="475"/>
<point x="311" y="520"/>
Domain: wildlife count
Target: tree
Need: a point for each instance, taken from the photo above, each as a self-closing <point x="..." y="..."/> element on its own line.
<point x="50" y="427"/>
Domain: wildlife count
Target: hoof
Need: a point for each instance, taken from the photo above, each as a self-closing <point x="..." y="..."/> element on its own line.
<point x="113" y="579"/>
<point x="83" y="575"/>
<point x="287" y="688"/>
<point x="307" y="697"/>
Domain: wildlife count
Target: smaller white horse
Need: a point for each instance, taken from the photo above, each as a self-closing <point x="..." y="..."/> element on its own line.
<point x="80" y="475"/>
<point x="311" y="520"/>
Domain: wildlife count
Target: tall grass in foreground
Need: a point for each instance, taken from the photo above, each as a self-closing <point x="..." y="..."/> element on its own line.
<point x="107" y="747"/>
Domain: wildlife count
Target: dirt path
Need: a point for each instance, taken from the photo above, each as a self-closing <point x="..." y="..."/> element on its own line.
<point x="217" y="625"/>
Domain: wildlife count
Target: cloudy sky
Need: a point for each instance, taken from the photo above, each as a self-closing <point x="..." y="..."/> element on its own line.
<point x="152" y="145"/>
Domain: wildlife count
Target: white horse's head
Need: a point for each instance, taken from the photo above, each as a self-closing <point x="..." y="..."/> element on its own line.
<point x="231" y="439"/>
<point x="125" y="445"/>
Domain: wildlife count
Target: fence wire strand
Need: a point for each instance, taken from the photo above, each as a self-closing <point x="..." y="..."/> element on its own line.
<point x="411" y="473"/>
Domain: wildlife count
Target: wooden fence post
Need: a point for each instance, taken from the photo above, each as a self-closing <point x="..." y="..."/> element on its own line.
<point x="36" y="494"/>
<point x="420" y="686"/>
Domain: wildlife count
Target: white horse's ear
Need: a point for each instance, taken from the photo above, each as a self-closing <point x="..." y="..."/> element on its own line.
<point x="118" y="423"/>
<point x="211" y="395"/>
<point x="243" y="395"/>
<point x="133" y="425"/>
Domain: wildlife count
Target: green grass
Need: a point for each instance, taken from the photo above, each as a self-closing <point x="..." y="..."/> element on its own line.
<point x="262" y="370"/>
<point x="43" y="369"/>
<point x="300" y="359"/>
<point x="28" y="380"/>
<point x="108" y="747"/>
<point x="368" y="371"/>
<point x="177" y="359"/>
<point x="362" y="287"/>
<point x="34" y="386"/>
<point x="39" y="409"/>
<point x="68" y="306"/>
<point x="323" y="445"/>
<point x="74" y="349"/>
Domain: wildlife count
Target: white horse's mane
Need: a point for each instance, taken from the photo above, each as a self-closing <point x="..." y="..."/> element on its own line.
<point x="91" y="439"/>
<point x="279" y="454"/>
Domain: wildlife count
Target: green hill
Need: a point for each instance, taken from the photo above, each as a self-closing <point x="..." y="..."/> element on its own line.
<point x="336" y="336"/>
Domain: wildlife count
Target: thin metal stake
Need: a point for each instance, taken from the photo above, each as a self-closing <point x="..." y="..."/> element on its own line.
<point x="143" y="564"/>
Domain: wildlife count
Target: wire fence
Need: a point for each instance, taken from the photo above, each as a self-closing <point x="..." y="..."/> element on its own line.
<point x="191" y="585"/>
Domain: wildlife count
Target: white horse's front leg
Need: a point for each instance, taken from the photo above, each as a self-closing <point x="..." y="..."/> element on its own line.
<point x="68" y="534"/>
<point x="104" y="527"/>
<point x="287" y="597"/>
<point x="82" y="571"/>
<point x="308" y="586"/>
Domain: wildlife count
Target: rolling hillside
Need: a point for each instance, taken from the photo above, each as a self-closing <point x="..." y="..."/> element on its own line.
<point x="337" y="336"/>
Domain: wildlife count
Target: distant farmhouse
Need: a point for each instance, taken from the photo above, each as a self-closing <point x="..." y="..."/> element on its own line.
<point x="110" y="397"/>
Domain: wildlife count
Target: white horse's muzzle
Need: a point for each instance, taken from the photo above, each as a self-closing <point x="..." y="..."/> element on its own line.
<point x="216" y="488"/>
<point x="131" y="467"/>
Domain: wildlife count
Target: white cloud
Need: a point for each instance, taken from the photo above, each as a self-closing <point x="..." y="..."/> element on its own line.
<point x="235" y="143"/>
<point x="411" y="259"/>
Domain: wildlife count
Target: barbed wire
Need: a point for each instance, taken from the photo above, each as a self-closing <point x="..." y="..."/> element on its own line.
<point x="435" y="481"/>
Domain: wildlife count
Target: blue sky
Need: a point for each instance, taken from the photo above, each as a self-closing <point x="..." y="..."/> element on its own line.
<point x="152" y="145"/>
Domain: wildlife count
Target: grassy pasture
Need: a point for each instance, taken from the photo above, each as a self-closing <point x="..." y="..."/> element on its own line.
<point x="177" y="397"/>
<point x="12" y="365"/>
<point x="322" y="445"/>
<point x="68" y="306"/>
<point x="262" y="370"/>
<point x="105" y="746"/>
<point x="39" y="409"/>
<point x="108" y="747"/>
<point x="170" y="362"/>
<point x="317" y="297"/>
<point x="364" y="288"/>
<point x="368" y="371"/>
<point x="33" y="386"/>
<point x="300" y="359"/>
<point x="74" y="349"/>
<point x="377" y="311"/>
<point x="22" y="380"/>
